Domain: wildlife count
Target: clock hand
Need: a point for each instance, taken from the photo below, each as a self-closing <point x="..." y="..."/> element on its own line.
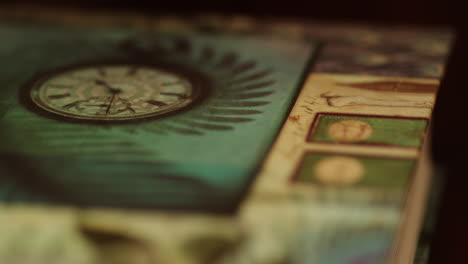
<point x="110" y="103"/>
<point x="109" y="88"/>
<point x="113" y="91"/>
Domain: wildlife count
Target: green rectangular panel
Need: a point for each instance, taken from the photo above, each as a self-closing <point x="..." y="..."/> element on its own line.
<point x="347" y="171"/>
<point x="380" y="130"/>
<point x="199" y="156"/>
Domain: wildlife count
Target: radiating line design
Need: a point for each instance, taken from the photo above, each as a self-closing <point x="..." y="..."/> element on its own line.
<point x="254" y="86"/>
<point x="207" y="54"/>
<point x="250" y="95"/>
<point x="182" y="130"/>
<point x="237" y="93"/>
<point x="225" y="119"/>
<point x="244" y="68"/>
<point x="239" y="85"/>
<point x="228" y="103"/>
<point x="227" y="61"/>
<point x="207" y="126"/>
<point x="182" y="45"/>
<point x="227" y="111"/>
<point x="252" y="77"/>
<point x="65" y="139"/>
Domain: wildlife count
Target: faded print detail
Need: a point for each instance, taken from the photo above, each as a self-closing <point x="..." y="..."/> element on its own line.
<point x="361" y="129"/>
<point x="358" y="49"/>
<point x="355" y="171"/>
<point x="170" y="163"/>
<point x="347" y="48"/>
<point x="381" y="50"/>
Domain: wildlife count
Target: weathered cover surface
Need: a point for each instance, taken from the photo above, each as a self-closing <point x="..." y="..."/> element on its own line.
<point x="310" y="163"/>
<point x="61" y="145"/>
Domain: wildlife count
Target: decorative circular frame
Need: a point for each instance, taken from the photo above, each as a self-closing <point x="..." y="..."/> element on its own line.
<point x="200" y="84"/>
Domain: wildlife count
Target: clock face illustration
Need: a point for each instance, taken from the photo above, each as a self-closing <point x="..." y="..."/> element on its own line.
<point x="114" y="92"/>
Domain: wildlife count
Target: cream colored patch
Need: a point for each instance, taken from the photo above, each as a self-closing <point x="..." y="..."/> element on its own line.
<point x="339" y="171"/>
<point x="349" y="131"/>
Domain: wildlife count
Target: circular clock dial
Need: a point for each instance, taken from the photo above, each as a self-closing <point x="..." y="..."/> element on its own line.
<point x="114" y="92"/>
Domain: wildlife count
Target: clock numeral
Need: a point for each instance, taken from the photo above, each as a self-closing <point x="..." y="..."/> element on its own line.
<point x="171" y="83"/>
<point x="70" y="105"/>
<point x="132" y="70"/>
<point x="156" y="103"/>
<point x="59" y="86"/>
<point x="180" y="96"/>
<point x="79" y="78"/>
<point x="100" y="82"/>
<point x="58" y="96"/>
<point x="101" y="72"/>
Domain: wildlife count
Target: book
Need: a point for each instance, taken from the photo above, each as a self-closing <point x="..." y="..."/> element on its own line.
<point x="213" y="139"/>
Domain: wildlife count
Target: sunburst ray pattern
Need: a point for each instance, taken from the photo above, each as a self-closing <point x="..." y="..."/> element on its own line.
<point x="201" y="156"/>
<point x="237" y="87"/>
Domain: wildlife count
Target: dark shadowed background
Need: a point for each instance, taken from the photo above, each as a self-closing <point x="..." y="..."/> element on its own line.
<point x="450" y="141"/>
